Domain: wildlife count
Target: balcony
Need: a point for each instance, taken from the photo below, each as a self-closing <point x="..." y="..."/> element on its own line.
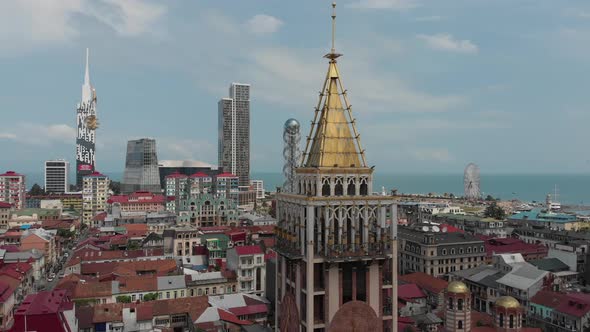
<point x="287" y="248"/>
<point x="353" y="252"/>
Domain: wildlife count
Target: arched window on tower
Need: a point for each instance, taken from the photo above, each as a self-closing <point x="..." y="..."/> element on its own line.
<point x="501" y="320"/>
<point x="338" y="189"/>
<point x="459" y="304"/>
<point x="364" y="189"/>
<point x="326" y="189"/>
<point x="351" y="190"/>
<point x="511" y="321"/>
<point x="460" y="325"/>
<point x="450" y="303"/>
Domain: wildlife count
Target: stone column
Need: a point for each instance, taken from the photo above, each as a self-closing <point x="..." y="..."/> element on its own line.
<point x="309" y="267"/>
<point x="393" y="212"/>
<point x="327" y="228"/>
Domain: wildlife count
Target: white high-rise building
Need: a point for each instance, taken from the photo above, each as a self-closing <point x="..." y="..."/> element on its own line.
<point x="258" y="187"/>
<point x="234" y="132"/>
<point x="56" y="176"/>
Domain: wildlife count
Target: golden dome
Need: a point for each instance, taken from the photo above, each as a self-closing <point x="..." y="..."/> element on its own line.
<point x="507" y="302"/>
<point x="457" y="287"/>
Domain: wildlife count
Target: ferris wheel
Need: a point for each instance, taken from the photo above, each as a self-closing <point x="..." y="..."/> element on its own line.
<point x="471" y="182"/>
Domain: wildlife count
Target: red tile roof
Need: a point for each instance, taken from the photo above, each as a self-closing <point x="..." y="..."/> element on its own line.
<point x="176" y="175"/>
<point x="425" y="281"/>
<point x="159" y="267"/>
<point x="5" y="291"/>
<point x="95" y="173"/>
<point x="200" y="175"/>
<point x="548" y="298"/>
<point x="4" y="205"/>
<point x="232" y="318"/>
<point x="42" y="302"/>
<point x="575" y="304"/>
<point x="512" y="245"/>
<point x="226" y="175"/>
<point x="138" y="197"/>
<point x="252" y="309"/>
<point x="11" y="173"/>
<point x="409" y="292"/>
<point x="248" y="250"/>
<point x="92" y="290"/>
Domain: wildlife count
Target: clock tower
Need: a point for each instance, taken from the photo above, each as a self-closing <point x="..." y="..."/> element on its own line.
<point x="337" y="240"/>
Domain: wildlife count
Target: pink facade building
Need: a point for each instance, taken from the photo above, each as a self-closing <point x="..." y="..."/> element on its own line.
<point x="13" y="189"/>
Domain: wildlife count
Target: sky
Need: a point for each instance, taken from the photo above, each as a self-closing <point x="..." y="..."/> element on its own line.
<point x="433" y="85"/>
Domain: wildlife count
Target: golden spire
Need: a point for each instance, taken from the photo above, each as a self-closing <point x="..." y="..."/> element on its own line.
<point x="333" y="140"/>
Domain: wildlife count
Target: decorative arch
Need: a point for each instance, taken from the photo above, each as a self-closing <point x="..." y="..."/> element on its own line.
<point x="346" y="318"/>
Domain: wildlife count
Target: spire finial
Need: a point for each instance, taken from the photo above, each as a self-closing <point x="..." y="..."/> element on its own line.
<point x="333" y="55"/>
<point x="87" y="72"/>
<point x="333" y="26"/>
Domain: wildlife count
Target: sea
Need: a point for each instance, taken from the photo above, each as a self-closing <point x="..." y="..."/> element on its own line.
<point x="572" y="189"/>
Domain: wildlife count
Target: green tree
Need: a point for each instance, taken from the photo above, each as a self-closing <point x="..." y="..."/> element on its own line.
<point x="123" y="299"/>
<point x="36" y="190"/>
<point x="150" y="297"/>
<point x="132" y="245"/>
<point x="115" y="186"/>
<point x="489" y="198"/>
<point x="495" y="211"/>
<point x="65" y="233"/>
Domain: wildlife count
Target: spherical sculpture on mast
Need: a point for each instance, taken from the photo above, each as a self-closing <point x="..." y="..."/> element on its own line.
<point x="291" y="152"/>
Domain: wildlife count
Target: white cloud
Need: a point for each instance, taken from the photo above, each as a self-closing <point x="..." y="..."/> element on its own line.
<point x="7" y="136"/>
<point x="41" y="134"/>
<point x="432" y="18"/>
<point x="385" y="4"/>
<point x="186" y="149"/>
<point x="28" y="23"/>
<point x="263" y="24"/>
<point x="432" y="154"/>
<point x="446" y="42"/>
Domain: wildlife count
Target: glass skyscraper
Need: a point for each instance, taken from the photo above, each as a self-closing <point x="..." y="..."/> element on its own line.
<point x="141" y="167"/>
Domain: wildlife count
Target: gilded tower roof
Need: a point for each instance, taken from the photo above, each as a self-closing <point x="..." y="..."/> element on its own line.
<point x="333" y="140"/>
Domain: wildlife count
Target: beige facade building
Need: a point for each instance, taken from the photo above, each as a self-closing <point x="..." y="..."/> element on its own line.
<point x="336" y="241"/>
<point x="95" y="190"/>
<point x="425" y="248"/>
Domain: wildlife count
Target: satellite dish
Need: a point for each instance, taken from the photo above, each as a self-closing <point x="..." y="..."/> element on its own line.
<point x="425" y="228"/>
<point x="435" y="229"/>
<point x="444" y="229"/>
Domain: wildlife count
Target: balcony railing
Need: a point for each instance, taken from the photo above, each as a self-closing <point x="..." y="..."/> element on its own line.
<point x="339" y="252"/>
<point x="288" y="248"/>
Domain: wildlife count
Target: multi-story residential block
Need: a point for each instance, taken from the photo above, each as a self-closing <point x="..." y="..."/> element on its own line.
<point x="160" y="315"/>
<point x="95" y="191"/>
<point x="176" y="188"/>
<point x="234" y="132"/>
<point x="184" y="167"/>
<point x="56" y="176"/>
<point x="529" y="251"/>
<point x="69" y="201"/>
<point x="42" y="240"/>
<point x="5" y="210"/>
<point x="560" y="312"/>
<point x="246" y="307"/>
<point x="13" y="189"/>
<point x="217" y="245"/>
<point x="424" y="248"/>
<point x="207" y="210"/>
<point x="250" y="267"/>
<point x="141" y="167"/>
<point x="7" y="303"/>
<point x="551" y="220"/>
<point x="139" y="201"/>
<point x="258" y="187"/>
<point x="473" y="224"/>
<point x="211" y="283"/>
<point x="433" y="287"/>
<point x="226" y="185"/>
<point x="172" y="287"/>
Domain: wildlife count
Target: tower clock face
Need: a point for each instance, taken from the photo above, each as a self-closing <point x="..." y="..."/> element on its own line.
<point x="289" y="315"/>
<point x="92" y="122"/>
